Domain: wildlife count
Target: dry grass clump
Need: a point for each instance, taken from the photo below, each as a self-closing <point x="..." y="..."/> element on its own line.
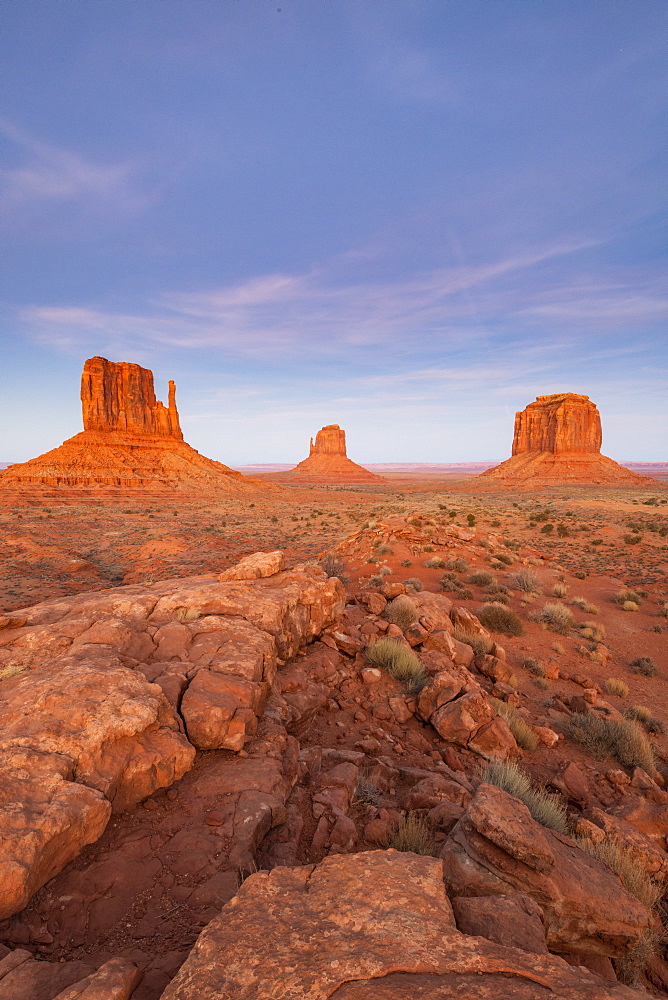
<point x="584" y="605"/>
<point x="498" y="618"/>
<point x="615" y="686"/>
<point x="557" y="617"/>
<point x="459" y="565"/>
<point x="623" y="597"/>
<point x="592" y="630"/>
<point x="602" y="737"/>
<point x="526" y="581"/>
<point x="400" y="662"/>
<point x="411" y="834"/>
<point x="546" y="809"/>
<point x="634" y="877"/>
<point x="644" y="665"/>
<point x="401" y="611"/>
<point x="643" y="715"/>
<point x="414" y="584"/>
<point x="521" y="730"/>
<point x="560" y="590"/>
<point x="478" y="643"/>
<point x="12" y="670"/>
<point x="481" y="578"/>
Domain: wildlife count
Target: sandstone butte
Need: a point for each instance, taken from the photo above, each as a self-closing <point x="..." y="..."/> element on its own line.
<point x="130" y="440"/>
<point x="558" y="440"/>
<point x="328" y="462"/>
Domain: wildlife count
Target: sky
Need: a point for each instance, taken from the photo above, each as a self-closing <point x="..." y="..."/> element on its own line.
<point x="408" y="217"/>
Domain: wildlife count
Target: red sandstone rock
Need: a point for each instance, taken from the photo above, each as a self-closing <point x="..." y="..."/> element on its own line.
<point x="130" y="440"/>
<point x="497" y="848"/>
<point x="328" y="462"/>
<point x="558" y="439"/>
<point x="371" y="925"/>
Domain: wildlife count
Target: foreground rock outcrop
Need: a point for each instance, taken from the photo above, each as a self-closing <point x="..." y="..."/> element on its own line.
<point x="558" y="439"/>
<point x="106" y="696"/>
<point x="356" y="927"/>
<point x="130" y="440"/>
<point x="328" y="462"/>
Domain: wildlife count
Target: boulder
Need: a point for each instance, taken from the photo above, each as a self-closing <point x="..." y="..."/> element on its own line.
<point x="498" y="849"/>
<point x="515" y="921"/>
<point x="370" y="926"/>
<point x="255" y="566"/>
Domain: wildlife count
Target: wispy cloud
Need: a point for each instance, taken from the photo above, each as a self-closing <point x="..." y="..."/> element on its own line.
<point x="49" y="176"/>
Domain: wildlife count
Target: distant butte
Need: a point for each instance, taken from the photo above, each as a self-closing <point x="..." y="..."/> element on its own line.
<point x="130" y="441"/>
<point x="328" y="463"/>
<point x="558" y="440"/>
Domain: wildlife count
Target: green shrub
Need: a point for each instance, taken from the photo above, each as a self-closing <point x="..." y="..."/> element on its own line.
<point x="498" y="618"/>
<point x="601" y="737"/>
<point x="400" y="662"/>
<point x="401" y="611"/>
<point x="616" y="687"/>
<point x="523" y="733"/>
<point x="546" y="809"/>
<point x="478" y="643"/>
<point x="526" y="581"/>
<point x="481" y="578"/>
<point x="644" y="665"/>
<point x="411" y="834"/>
<point x="556" y="616"/>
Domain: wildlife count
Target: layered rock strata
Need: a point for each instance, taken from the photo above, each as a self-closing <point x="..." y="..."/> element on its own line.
<point x="106" y="696"/>
<point x="558" y="439"/>
<point x="328" y="462"/>
<point x="364" y="927"/>
<point x="130" y="440"/>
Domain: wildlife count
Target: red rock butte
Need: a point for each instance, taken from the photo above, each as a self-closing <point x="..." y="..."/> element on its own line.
<point x="558" y="440"/>
<point x="130" y="441"/>
<point x="328" y="463"/>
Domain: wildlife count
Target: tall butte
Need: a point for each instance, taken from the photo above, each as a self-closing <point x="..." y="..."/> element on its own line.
<point x="130" y="440"/>
<point x="328" y="463"/>
<point x="558" y="440"/>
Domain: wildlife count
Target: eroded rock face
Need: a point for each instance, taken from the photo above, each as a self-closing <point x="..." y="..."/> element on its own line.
<point x="362" y="926"/>
<point x="558" y="439"/>
<point x="119" y="396"/>
<point x="497" y="848"/>
<point x="116" y="689"/>
<point x="130" y="440"/>
<point x="328" y="462"/>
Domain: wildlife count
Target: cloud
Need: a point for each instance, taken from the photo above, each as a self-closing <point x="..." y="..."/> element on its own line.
<point x="51" y="177"/>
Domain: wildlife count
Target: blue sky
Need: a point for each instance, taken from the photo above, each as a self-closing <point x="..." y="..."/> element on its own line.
<point x="409" y="217"/>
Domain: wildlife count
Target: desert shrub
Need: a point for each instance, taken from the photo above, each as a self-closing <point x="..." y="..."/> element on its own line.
<point x="435" y="563"/>
<point x="367" y="791"/>
<point x="632" y="874"/>
<point x="523" y="733"/>
<point x="601" y="737"/>
<point x="465" y="594"/>
<point x="630" y="606"/>
<point x="481" y="578"/>
<point x="498" y="589"/>
<point x="504" y="558"/>
<point x="401" y="611"/>
<point x="334" y="566"/>
<point x="470" y="519"/>
<point x="385" y="571"/>
<point x="644" y="665"/>
<point x="622" y="597"/>
<point x="580" y="574"/>
<point x="546" y="809"/>
<point x="632" y="539"/>
<point x="534" y="667"/>
<point x="385" y="550"/>
<point x="557" y="617"/>
<point x="498" y="618"/>
<point x="406" y="562"/>
<point x="459" y="565"/>
<point x="562" y="531"/>
<point x="526" y="581"/>
<point x="414" y="584"/>
<point x="449" y="584"/>
<point x="547" y="529"/>
<point x="616" y="687"/>
<point x="478" y="643"/>
<point x="375" y="581"/>
<point x="541" y="683"/>
<point x="558" y="648"/>
<point x="427" y="548"/>
<point x="592" y="630"/>
<point x="560" y="590"/>
<point x="412" y="834"/>
<point x="584" y="605"/>
<point x="643" y="715"/>
<point x="372" y="560"/>
<point x="400" y="662"/>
